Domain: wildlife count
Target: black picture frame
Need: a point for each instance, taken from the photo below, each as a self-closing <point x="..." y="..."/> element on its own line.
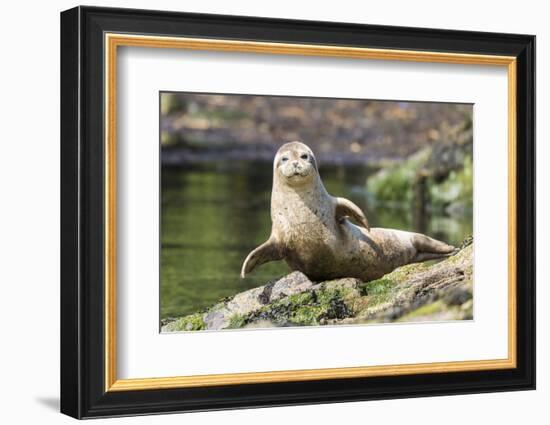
<point x="83" y="392"/>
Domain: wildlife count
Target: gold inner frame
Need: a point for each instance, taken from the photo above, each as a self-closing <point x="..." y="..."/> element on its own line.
<point x="113" y="41"/>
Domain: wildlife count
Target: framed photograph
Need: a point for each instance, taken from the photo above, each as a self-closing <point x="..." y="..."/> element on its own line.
<point x="261" y="212"/>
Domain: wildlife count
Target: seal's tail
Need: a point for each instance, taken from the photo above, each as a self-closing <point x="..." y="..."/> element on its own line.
<point x="430" y="249"/>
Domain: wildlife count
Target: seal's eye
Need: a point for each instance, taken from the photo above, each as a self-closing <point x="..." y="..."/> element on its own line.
<point x="285" y="158"/>
<point x="303" y="156"/>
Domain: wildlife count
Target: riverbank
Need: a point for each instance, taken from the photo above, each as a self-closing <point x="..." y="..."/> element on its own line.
<point x="208" y="127"/>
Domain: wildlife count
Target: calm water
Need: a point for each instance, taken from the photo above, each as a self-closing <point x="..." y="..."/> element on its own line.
<point x="213" y="215"/>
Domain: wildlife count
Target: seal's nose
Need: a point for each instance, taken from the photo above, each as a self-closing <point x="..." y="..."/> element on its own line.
<point x="295" y="164"/>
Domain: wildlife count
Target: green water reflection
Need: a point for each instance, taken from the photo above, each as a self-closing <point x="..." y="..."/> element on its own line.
<point x="213" y="215"/>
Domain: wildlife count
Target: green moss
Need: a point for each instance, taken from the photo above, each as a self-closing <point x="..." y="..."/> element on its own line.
<point x="327" y="295"/>
<point x="403" y="273"/>
<point x="378" y="291"/>
<point x="308" y="308"/>
<point x="456" y="190"/>
<point x="425" y="310"/>
<point x="193" y="322"/>
<point x="237" y="321"/>
<point x="298" y="299"/>
<point x="394" y="184"/>
<point x="307" y="315"/>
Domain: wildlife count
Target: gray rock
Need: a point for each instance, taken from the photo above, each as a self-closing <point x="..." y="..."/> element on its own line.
<point x="247" y="302"/>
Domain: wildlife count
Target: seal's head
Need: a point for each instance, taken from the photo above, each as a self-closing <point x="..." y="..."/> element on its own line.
<point x="295" y="164"/>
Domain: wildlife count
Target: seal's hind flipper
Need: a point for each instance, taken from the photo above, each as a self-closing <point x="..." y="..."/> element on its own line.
<point x="430" y="249"/>
<point x="266" y="252"/>
<point x="425" y="256"/>
<point x="346" y="208"/>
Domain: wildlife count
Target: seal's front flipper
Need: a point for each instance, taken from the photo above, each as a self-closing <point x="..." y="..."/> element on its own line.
<point x="346" y="208"/>
<point x="266" y="252"/>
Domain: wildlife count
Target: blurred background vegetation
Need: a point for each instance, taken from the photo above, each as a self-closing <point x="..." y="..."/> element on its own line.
<point x="408" y="165"/>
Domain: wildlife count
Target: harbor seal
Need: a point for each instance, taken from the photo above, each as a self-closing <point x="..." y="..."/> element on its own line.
<point x="312" y="231"/>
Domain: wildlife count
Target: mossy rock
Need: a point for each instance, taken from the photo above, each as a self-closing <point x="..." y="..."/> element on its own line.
<point x="438" y="177"/>
<point x="307" y="309"/>
<point x="395" y="183"/>
<point x="416" y="292"/>
<point x="193" y="322"/>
